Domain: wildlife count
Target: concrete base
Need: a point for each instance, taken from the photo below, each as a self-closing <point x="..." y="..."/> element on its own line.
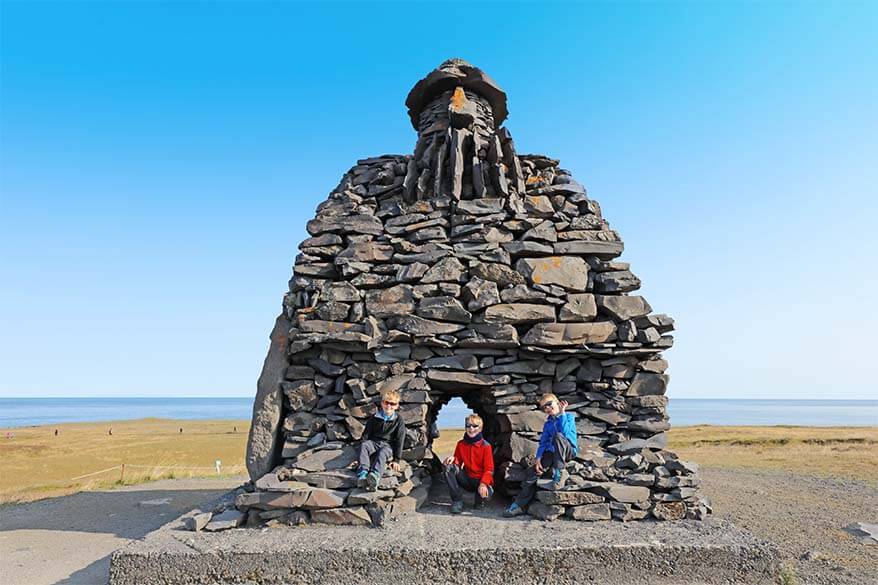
<point x="432" y="546"/>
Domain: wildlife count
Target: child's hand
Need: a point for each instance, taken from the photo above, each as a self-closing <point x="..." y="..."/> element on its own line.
<point x="483" y="490"/>
<point x="538" y="465"/>
<point x="449" y="460"/>
<point x="562" y="405"/>
<point x="394" y="466"/>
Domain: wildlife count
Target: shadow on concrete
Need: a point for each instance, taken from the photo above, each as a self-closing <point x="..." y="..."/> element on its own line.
<point x="97" y="572"/>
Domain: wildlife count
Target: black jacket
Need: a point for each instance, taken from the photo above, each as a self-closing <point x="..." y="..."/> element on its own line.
<point x="389" y="431"/>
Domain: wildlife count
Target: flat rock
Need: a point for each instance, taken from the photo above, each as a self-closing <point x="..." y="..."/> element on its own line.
<point x="623" y="307"/>
<point x="499" y="273"/>
<point x="446" y="270"/>
<point x="569" y="272"/>
<point x="225" y="520"/>
<point x="421" y="327"/>
<point x="480" y="293"/>
<point x="197" y="522"/>
<point x="568" y="498"/>
<point x="647" y="384"/>
<point x="351" y="224"/>
<point x="343" y="516"/>
<point x="590" y="512"/>
<point x="326" y="459"/>
<point x="561" y="334"/>
<point x="464" y="380"/>
<point x="579" y="307"/>
<point x="519" y="313"/>
<point x="622" y="493"/>
<point x="543" y="511"/>
<point x="396" y="300"/>
<point x="443" y="309"/>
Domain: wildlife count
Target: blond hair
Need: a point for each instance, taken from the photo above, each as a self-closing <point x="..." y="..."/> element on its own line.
<point x="547" y="398"/>
<point x="392" y="395"/>
<point x="474" y="418"/>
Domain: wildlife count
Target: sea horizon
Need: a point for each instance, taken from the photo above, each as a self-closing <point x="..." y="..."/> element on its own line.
<point x="18" y="412"/>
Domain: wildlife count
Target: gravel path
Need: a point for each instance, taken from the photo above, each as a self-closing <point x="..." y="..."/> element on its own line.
<point x="804" y="516"/>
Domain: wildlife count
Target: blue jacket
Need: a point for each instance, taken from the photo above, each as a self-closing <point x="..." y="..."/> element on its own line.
<point x="564" y="424"/>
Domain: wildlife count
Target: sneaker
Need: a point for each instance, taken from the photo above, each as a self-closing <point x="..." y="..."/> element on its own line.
<point x="456" y="507"/>
<point x="559" y="479"/>
<point x="361" y="478"/>
<point x="513" y="510"/>
<point x="372" y="482"/>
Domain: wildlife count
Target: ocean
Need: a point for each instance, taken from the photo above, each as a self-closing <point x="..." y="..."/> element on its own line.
<point x="21" y="412"/>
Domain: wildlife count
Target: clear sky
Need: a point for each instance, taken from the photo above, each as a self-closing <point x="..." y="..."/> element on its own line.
<point x="159" y="161"/>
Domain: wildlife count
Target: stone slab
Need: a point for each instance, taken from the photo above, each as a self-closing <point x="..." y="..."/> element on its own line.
<point x="432" y="546"/>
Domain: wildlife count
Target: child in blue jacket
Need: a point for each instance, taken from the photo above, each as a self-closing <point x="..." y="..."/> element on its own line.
<point x="557" y="446"/>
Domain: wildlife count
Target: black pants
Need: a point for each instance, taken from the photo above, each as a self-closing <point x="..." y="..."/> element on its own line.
<point x="458" y="480"/>
<point x="550" y="461"/>
<point x="374" y="455"/>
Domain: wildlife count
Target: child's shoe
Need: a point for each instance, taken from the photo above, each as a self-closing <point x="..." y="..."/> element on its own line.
<point x="559" y="479"/>
<point x="513" y="510"/>
<point x="456" y="507"/>
<point x="361" y="477"/>
<point x="372" y="481"/>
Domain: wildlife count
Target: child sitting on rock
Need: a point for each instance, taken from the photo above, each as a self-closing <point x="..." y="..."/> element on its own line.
<point x="382" y="443"/>
<point x="557" y="446"/>
<point x="471" y="468"/>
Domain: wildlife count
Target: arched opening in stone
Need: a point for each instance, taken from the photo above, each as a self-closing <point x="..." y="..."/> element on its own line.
<point x="480" y="401"/>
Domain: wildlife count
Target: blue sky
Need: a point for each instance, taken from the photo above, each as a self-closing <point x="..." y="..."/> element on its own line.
<point x="158" y="163"/>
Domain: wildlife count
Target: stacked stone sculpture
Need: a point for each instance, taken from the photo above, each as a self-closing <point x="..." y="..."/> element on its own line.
<point x="464" y="269"/>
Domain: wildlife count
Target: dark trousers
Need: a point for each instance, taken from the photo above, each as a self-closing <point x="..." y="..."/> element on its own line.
<point x="458" y="480"/>
<point x="374" y="455"/>
<point x="550" y="460"/>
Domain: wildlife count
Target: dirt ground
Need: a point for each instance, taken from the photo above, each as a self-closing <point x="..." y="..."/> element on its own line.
<point x="69" y="539"/>
<point x="804" y="515"/>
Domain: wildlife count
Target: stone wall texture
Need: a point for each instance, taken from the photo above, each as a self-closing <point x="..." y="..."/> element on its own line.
<point x="464" y="269"/>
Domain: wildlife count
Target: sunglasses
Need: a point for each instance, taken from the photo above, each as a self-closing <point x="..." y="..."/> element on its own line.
<point x="549" y="405"/>
<point x="472" y="426"/>
<point x="388" y="403"/>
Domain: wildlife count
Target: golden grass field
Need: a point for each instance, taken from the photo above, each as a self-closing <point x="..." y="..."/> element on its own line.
<point x="36" y="464"/>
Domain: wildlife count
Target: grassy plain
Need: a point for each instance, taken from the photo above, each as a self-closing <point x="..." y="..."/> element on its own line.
<point x="34" y="463"/>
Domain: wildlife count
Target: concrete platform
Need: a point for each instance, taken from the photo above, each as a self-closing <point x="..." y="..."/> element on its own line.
<point x="432" y="546"/>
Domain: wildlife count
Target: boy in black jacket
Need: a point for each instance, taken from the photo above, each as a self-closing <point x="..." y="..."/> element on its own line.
<point x="383" y="438"/>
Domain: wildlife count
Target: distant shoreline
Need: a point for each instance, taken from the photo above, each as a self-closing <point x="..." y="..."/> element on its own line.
<point x="26" y="412"/>
<point x="245" y="422"/>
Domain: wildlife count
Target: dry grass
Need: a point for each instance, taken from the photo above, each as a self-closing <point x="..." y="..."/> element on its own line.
<point x="845" y="452"/>
<point x="37" y="464"/>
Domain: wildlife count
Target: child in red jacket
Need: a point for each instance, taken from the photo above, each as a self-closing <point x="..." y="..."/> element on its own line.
<point x="471" y="468"/>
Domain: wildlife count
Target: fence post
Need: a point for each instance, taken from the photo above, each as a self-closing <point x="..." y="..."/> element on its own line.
<point x="218" y="466"/>
<point x="122" y="474"/>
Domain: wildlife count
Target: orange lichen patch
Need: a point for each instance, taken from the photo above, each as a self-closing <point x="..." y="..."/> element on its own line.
<point x="533" y="179"/>
<point x="556" y="262"/>
<point x="536" y="278"/>
<point x="458" y="99"/>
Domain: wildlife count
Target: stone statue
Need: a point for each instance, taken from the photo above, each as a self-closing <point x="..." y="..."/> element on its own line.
<point x="464" y="269"/>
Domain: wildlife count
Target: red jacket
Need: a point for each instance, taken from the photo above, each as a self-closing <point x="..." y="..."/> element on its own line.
<point x="477" y="460"/>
